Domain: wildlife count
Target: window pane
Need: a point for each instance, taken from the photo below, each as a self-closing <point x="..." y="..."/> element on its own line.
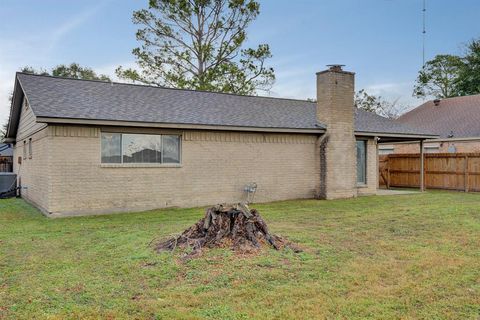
<point x="437" y="149"/>
<point x="111" y="147"/>
<point x="383" y="152"/>
<point x="142" y="148"/>
<point x="171" y="149"/>
<point x="361" y="161"/>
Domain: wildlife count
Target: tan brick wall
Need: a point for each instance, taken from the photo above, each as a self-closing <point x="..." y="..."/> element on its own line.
<point x="335" y="108"/>
<point x="215" y="168"/>
<point x="443" y="147"/>
<point x="462" y="147"/>
<point x="34" y="172"/>
<point x="406" y="148"/>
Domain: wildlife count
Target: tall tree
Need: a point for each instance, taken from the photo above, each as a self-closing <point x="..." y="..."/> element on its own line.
<point x="378" y="105"/>
<point x="198" y="44"/>
<point x="439" y="77"/>
<point x="469" y="78"/>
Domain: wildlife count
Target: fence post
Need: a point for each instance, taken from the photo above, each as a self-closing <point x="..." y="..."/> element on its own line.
<point x="466" y="174"/>
<point x="388" y="172"/>
<point x="422" y="168"/>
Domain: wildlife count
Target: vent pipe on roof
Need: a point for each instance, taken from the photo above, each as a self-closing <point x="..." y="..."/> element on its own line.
<point x="436" y="102"/>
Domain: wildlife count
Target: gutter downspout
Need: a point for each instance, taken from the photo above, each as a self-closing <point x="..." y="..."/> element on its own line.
<point x="321" y="144"/>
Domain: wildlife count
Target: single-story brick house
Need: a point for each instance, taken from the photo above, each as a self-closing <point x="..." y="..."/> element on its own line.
<point x="90" y="147"/>
<point x="455" y="120"/>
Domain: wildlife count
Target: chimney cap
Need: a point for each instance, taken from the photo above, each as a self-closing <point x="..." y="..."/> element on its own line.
<point x="335" y="67"/>
<point x="436" y="102"/>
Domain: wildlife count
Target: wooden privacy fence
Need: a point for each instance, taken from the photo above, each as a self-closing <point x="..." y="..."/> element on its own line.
<point x="453" y="171"/>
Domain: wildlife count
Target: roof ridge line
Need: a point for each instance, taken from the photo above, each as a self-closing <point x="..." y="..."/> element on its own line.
<point x="162" y="87"/>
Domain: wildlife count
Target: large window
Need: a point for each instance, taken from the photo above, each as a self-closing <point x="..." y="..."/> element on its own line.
<point x="140" y="148"/>
<point x="361" y="161"/>
<point x="434" y="148"/>
<point x="385" y="149"/>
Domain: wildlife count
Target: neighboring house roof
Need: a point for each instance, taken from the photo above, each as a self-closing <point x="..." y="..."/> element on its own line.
<point x="6" y="150"/>
<point x="63" y="98"/>
<point x="457" y="117"/>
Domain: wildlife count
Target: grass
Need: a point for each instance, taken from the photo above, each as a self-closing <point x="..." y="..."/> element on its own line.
<point x="393" y="257"/>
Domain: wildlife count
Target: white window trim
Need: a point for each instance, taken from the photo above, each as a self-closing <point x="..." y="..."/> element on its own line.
<point x="385" y="152"/>
<point x="141" y="165"/>
<point x="386" y="149"/>
<point x="146" y="164"/>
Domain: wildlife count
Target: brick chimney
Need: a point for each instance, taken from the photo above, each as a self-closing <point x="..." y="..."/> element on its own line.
<point x="336" y="110"/>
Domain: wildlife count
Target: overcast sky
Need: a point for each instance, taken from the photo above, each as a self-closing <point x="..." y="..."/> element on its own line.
<point x="380" y="40"/>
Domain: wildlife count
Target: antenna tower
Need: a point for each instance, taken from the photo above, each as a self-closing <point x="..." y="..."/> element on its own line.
<point x="424" y="32"/>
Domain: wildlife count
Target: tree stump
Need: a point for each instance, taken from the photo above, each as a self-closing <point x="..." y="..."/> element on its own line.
<point x="234" y="226"/>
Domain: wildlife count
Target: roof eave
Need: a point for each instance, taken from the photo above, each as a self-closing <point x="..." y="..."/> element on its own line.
<point x="100" y="122"/>
<point x="408" y="136"/>
<point x="15" y="108"/>
<point x="440" y="139"/>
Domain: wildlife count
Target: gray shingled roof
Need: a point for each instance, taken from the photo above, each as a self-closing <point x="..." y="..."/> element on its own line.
<point x="371" y="122"/>
<point x="54" y="97"/>
<point x="94" y="100"/>
<point x="457" y="117"/>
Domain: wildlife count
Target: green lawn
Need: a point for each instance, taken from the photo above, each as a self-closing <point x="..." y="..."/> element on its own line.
<point x="409" y="257"/>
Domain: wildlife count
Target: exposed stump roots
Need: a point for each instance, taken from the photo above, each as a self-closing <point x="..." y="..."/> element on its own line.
<point x="234" y="226"/>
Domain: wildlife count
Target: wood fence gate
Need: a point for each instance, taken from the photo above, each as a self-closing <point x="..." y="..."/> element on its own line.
<point x="452" y="171"/>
